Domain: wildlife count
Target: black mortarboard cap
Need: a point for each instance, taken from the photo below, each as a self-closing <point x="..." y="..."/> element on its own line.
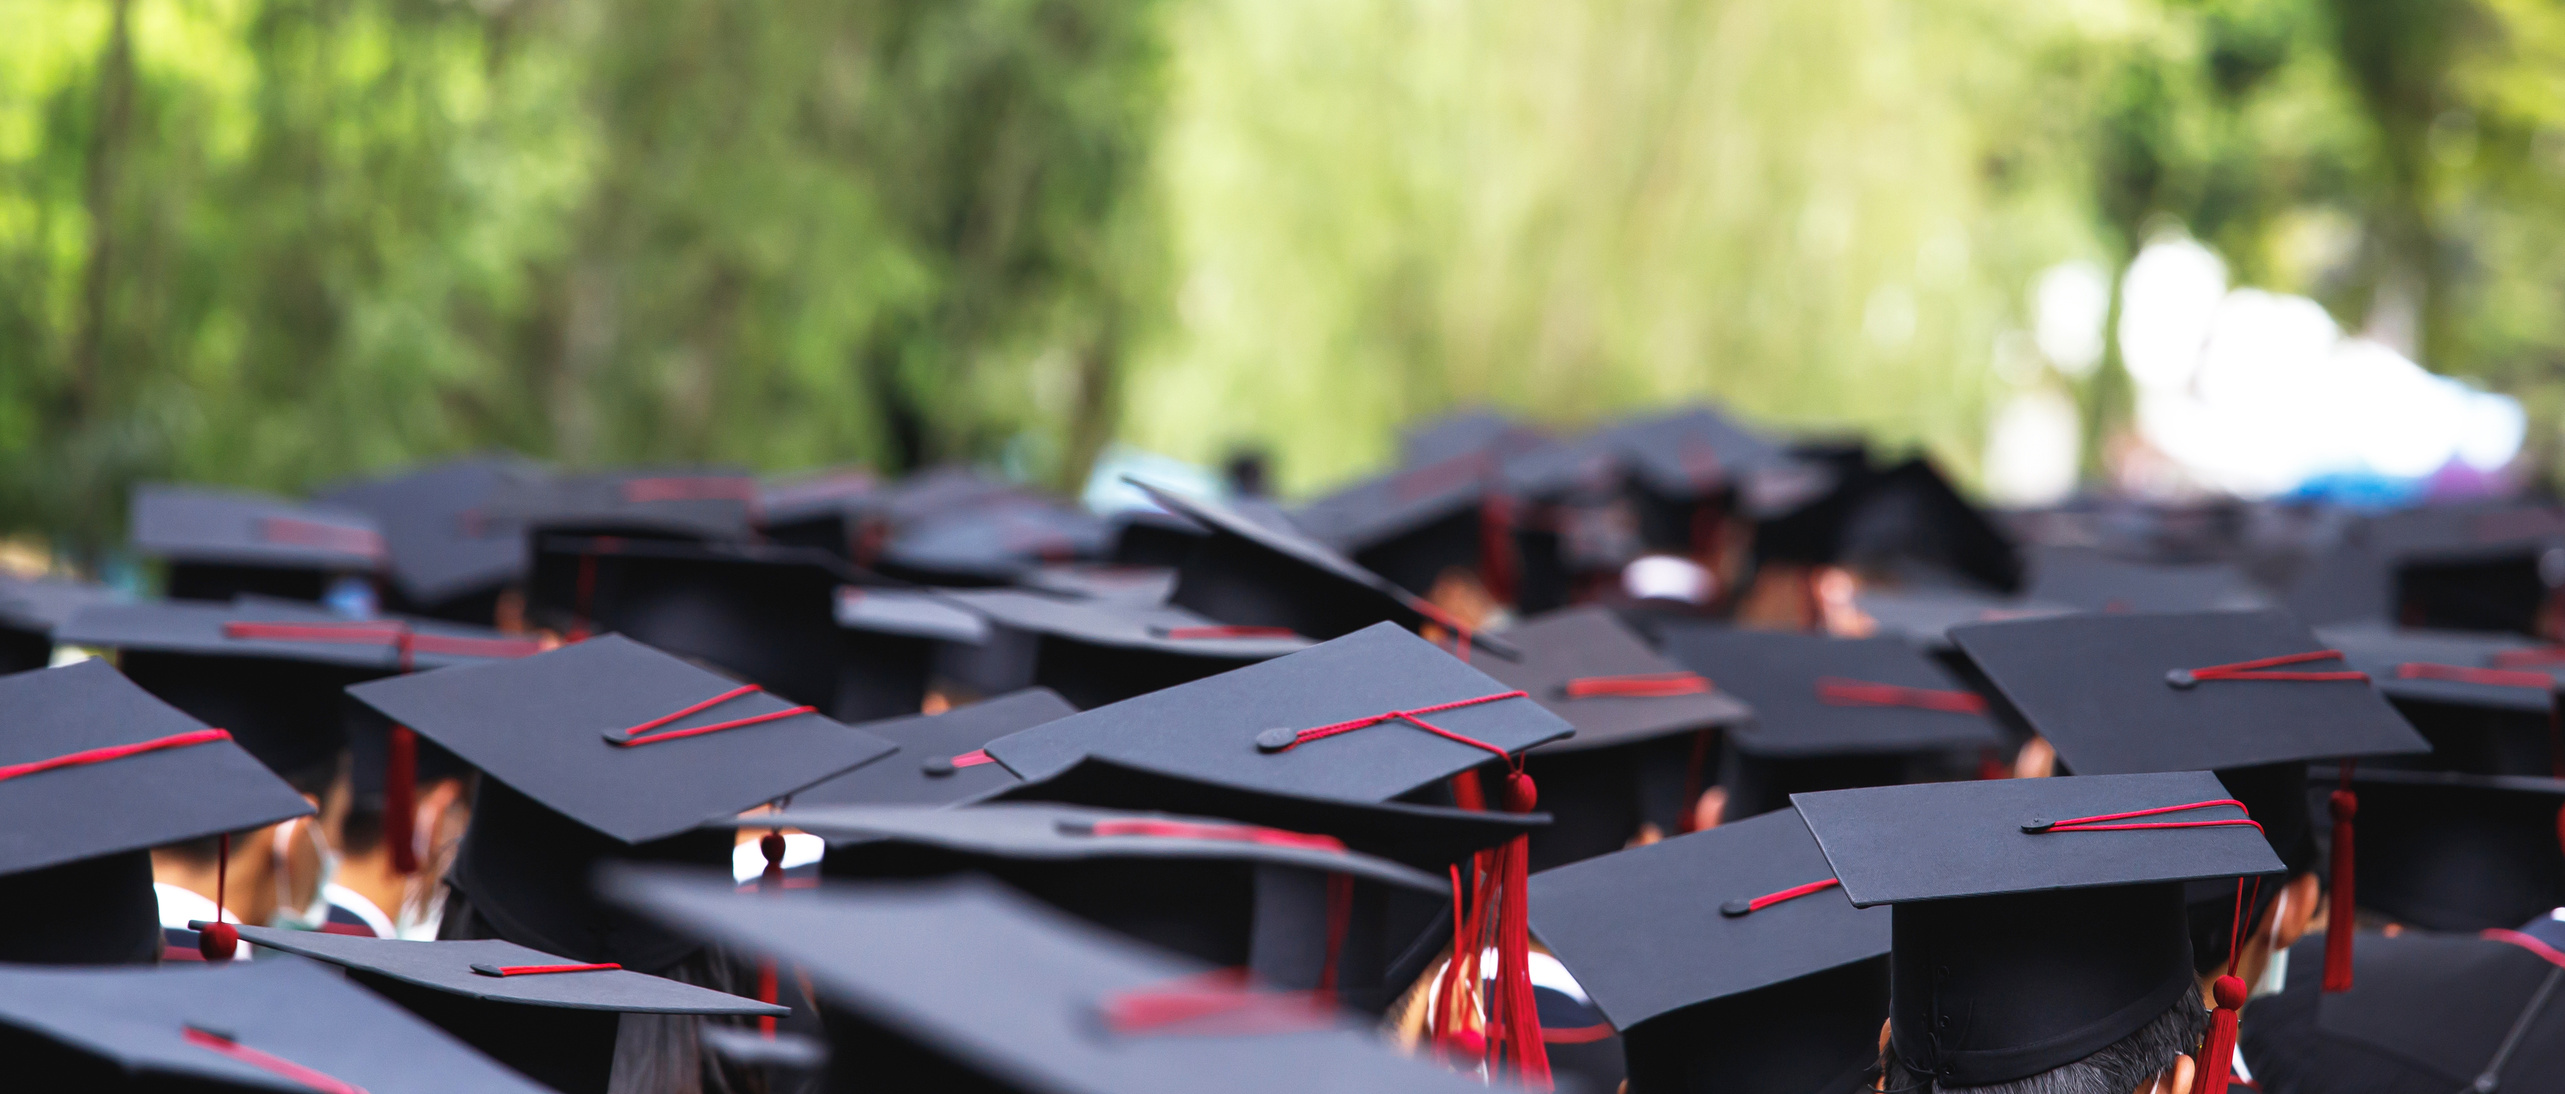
<point x="254" y="1025"/>
<point x="2115" y="692"/>
<point x="222" y="543"/>
<point x="1095" y="652"/>
<point x="964" y="985"/>
<point x="1466" y="431"/>
<point x="30" y="609"/>
<point x="1237" y="728"/>
<point x="1152" y="538"/>
<point x="2486" y="701"/>
<point x="131" y="773"/>
<point x="701" y="504"/>
<point x="1728" y="959"/>
<point x="827" y="510"/>
<point x="1829" y="712"/>
<point x="2432" y="1012"/>
<point x="2473" y="567"/>
<point x="2452" y="852"/>
<point x="1106" y="581"/>
<point x="935" y="765"/>
<point x="890" y="643"/>
<point x="1909" y="520"/>
<point x="2028" y="934"/>
<point x="990" y="544"/>
<point x="2095" y="581"/>
<point x="1224" y="892"/>
<point x="1640" y="720"/>
<point x="1924" y="616"/>
<point x="764" y="614"/>
<point x="1698" y="452"/>
<point x="1258" y="574"/>
<point x="556" y="1027"/>
<point x="448" y="556"/>
<point x="1411" y="525"/>
<point x="271" y="671"/>
<point x="560" y="793"/>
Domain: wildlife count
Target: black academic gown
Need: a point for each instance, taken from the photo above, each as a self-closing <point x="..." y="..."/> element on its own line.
<point x="2427" y="1014"/>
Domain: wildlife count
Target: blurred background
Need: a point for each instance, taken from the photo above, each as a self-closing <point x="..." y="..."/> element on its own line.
<point x="2155" y="247"/>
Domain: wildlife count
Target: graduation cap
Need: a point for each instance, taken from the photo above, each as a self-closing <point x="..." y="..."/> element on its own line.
<point x="2036" y="921"/>
<point x="1105" y="581"/>
<point x="2485" y="701"/>
<point x="1299" y="909"/>
<point x="547" y="1016"/>
<point x="994" y="543"/>
<point x="272" y="671"/>
<point x="2453" y="852"/>
<point x="964" y="985"/>
<point x="605" y="749"/>
<point x="1829" y="712"/>
<point x="1150" y="538"/>
<point x="94" y="772"/>
<point x="2094" y="581"/>
<point x="1256" y="574"/>
<point x="828" y="510"/>
<point x="765" y="614"/>
<point x="1698" y="454"/>
<point x="222" y="543"/>
<point x="2249" y="695"/>
<point x="256" y="1025"/>
<point x="2477" y="567"/>
<point x="447" y="557"/>
<point x="2433" y="1012"/>
<point x="940" y="761"/>
<point x="1728" y="959"/>
<point x="1418" y="523"/>
<point x="696" y="504"/>
<point x="892" y="641"/>
<point x="1095" y="652"/>
<point x="1466" y="431"/>
<point x="30" y="609"/>
<point x="1924" y="616"/>
<point x="1639" y="718"/>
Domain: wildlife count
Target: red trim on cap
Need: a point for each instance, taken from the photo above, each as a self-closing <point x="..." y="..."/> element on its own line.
<point x="641" y="735"/>
<point x="397" y="635"/>
<point x="1576" y="1035"/>
<point x="1644" y="685"/>
<point x="1232" y="833"/>
<point x="690" y="488"/>
<point x="2545" y="952"/>
<point x="2500" y="678"/>
<point x="297" y="532"/>
<point x="2251" y="670"/>
<point x="542" y="970"/>
<point x="1792" y="893"/>
<point x="1223" y="631"/>
<point x="2093" y="823"/>
<point x="115" y="752"/>
<point x="320" y="1081"/>
<point x="1216" y="1003"/>
<point x="1411" y="717"/>
<point x="1835" y="691"/>
<point x="974" y="758"/>
<point x="2535" y="655"/>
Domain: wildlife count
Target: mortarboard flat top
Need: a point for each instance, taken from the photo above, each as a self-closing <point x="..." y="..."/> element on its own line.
<point x="1935" y="841"/>
<point x="1818" y="696"/>
<point x="2096" y="582"/>
<point x="1384" y="507"/>
<point x="995" y="542"/>
<point x="913" y="613"/>
<point x="192" y="524"/>
<point x="1476" y="429"/>
<point x="1644" y="932"/>
<point x="1212" y="729"/>
<point x="2101" y="689"/>
<point x="1157" y="628"/>
<point x="1359" y="597"/>
<point x="1105" y="581"/>
<point x="2436" y="666"/>
<point x="923" y="773"/>
<point x="827" y="495"/>
<point x="281" y="630"/>
<point x="1925" y="616"/>
<point x="441" y="543"/>
<point x="179" y="791"/>
<point x="255" y="1025"/>
<point x="38" y="605"/>
<point x="1016" y="992"/>
<point x="450" y="967"/>
<point x="1574" y="659"/>
<point x="700" y="504"/>
<point x="542" y="725"/>
<point x="1041" y="831"/>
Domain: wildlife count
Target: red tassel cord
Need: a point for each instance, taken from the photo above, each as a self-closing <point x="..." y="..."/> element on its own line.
<point x="273" y="1064"/>
<point x="400" y="799"/>
<point x="2259" y="669"/>
<point x="770" y="845"/>
<point x="218" y="940"/>
<point x="2338" y="926"/>
<point x="650" y="732"/>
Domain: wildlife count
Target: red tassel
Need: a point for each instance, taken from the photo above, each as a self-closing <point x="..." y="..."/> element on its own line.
<point x="218" y="940"/>
<point x="2217" y="1052"/>
<point x="401" y="799"/>
<point x="1517" y="1012"/>
<point x="772" y="881"/>
<point x="2338" y="927"/>
<point x="1496" y="547"/>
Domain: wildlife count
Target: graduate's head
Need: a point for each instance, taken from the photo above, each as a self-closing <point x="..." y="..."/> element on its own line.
<point x="2156" y="1058"/>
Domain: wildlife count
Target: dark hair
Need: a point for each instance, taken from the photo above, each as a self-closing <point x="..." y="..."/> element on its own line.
<point x="2117" y="1069"/>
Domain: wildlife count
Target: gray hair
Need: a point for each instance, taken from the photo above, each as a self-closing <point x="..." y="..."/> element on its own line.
<point x="2117" y="1069"/>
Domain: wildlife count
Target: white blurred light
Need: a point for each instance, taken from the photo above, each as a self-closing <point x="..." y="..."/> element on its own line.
<point x="1667" y="577"/>
<point x="2167" y="301"/>
<point x="2070" y="303"/>
<point x="2032" y="449"/>
<point x="2496" y="426"/>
